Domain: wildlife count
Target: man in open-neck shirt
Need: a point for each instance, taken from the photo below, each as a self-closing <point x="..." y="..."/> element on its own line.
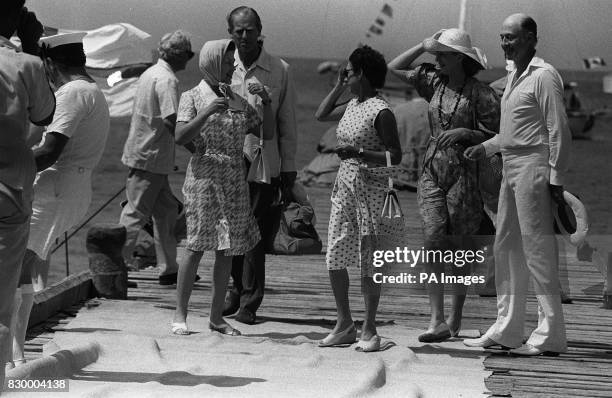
<point x="149" y="153"/>
<point x="254" y="64"/>
<point x="534" y="140"/>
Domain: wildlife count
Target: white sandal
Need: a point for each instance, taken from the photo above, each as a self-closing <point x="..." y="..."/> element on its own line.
<point x="180" y="328"/>
<point x="369" y="345"/>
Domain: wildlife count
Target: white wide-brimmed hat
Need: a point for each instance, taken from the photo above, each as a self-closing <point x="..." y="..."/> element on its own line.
<point x="565" y="216"/>
<point x="456" y="40"/>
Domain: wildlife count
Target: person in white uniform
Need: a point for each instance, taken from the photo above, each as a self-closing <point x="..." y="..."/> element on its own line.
<point x="534" y="140"/>
<point x="71" y="147"/>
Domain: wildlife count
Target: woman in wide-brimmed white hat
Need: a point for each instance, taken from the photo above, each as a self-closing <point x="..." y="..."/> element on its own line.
<point x="462" y="112"/>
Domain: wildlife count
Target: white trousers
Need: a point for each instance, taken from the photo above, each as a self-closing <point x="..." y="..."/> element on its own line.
<point x="525" y="246"/>
<point x="61" y="200"/>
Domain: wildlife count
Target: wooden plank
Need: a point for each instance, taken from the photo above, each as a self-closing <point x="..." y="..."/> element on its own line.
<point x="61" y="295"/>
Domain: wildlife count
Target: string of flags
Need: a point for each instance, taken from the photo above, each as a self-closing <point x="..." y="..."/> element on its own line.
<point x="594" y="62"/>
<point x="377" y="27"/>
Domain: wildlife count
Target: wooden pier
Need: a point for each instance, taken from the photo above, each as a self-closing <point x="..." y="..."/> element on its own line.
<point x="297" y="289"/>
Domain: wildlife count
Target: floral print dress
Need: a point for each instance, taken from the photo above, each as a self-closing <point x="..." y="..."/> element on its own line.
<point x="449" y="198"/>
<point x="216" y="193"/>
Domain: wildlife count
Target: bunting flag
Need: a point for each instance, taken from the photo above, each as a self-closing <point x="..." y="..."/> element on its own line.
<point x="387" y="10"/>
<point x="594" y="62"/>
<point x="380" y="21"/>
<point x="376" y="30"/>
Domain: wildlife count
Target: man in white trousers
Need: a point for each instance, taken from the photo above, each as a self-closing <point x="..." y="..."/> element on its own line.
<point x="534" y="140"/>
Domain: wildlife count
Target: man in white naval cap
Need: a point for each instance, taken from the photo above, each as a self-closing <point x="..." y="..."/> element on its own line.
<point x="70" y="149"/>
<point x="149" y="154"/>
<point x="24" y="96"/>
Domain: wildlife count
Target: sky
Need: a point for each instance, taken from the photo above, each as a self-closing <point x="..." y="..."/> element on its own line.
<point x="569" y="30"/>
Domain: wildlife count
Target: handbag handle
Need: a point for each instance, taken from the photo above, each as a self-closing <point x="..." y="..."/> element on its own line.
<point x="388" y="156"/>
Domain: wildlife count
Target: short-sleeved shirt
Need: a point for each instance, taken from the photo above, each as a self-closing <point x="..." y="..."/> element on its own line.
<point x="81" y="115"/>
<point x="150" y="145"/>
<point x="25" y="96"/>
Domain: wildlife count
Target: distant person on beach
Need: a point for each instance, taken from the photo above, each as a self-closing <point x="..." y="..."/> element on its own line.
<point x="366" y="133"/>
<point x="219" y="217"/>
<point x="149" y="153"/>
<point x="25" y="96"/>
<point x="535" y="142"/>
<point x="413" y="130"/>
<point x="462" y="111"/>
<point x="255" y="65"/>
<point x="67" y="154"/>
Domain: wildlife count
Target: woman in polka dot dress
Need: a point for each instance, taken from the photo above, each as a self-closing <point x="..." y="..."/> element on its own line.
<point x="367" y="129"/>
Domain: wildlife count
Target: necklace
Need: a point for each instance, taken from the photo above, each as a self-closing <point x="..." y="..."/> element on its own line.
<point x="446" y="125"/>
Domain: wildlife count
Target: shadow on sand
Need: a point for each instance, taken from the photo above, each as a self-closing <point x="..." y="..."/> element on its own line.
<point x="453" y="352"/>
<point x="177" y="378"/>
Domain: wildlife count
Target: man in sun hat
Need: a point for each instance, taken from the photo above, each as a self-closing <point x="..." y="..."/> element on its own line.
<point x="70" y="149"/>
<point x="25" y="96"/>
<point x="149" y="153"/>
<point x="534" y="140"/>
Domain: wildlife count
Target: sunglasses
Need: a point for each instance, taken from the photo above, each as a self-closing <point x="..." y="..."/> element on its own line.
<point x="345" y="73"/>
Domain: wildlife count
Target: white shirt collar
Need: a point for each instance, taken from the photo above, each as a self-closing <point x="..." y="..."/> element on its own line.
<point x="164" y="65"/>
<point x="263" y="61"/>
<point x="535" y="62"/>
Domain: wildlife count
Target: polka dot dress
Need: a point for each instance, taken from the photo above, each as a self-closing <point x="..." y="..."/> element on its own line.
<point x="358" y="193"/>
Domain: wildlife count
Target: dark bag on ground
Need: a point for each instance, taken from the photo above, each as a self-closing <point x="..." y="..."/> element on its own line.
<point x="293" y="231"/>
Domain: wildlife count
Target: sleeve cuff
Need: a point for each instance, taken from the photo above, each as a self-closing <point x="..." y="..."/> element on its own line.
<point x="491" y="146"/>
<point x="557" y="177"/>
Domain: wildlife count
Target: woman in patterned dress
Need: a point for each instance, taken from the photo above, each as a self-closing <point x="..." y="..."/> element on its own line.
<point x="462" y="112"/>
<point x="367" y="129"/>
<point x="216" y="120"/>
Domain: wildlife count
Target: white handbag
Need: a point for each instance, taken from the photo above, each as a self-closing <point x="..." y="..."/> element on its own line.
<point x="259" y="171"/>
<point x="391" y="207"/>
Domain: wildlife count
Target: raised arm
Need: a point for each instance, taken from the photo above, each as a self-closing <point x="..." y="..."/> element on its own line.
<point x="329" y="110"/>
<point x="403" y="62"/>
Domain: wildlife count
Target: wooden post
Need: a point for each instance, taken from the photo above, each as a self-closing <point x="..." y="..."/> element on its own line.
<point x="607" y="292"/>
<point x="108" y="271"/>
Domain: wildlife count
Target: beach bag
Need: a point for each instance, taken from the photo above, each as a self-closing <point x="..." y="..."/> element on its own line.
<point x="259" y="171"/>
<point x="293" y="231"/>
